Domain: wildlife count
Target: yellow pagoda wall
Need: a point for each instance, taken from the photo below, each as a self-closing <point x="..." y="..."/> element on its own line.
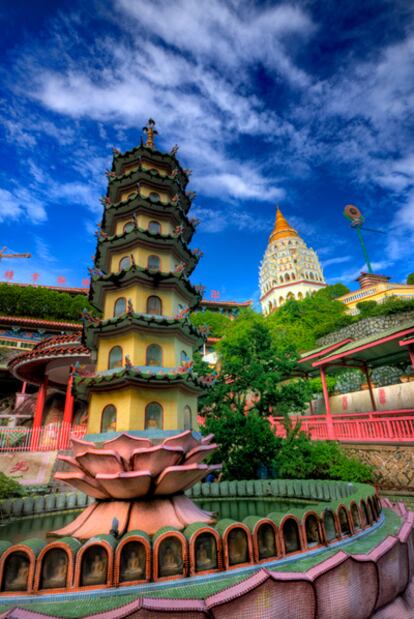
<point x="135" y="345"/>
<point x="139" y="295"/>
<point x="143" y="221"/>
<point x="141" y="254"/>
<point x="131" y="402"/>
<point x="145" y="190"/>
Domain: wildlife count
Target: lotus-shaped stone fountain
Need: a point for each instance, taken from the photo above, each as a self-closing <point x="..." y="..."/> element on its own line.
<point x="138" y="482"/>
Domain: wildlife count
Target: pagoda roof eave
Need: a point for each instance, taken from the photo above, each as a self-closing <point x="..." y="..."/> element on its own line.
<point x="126" y="277"/>
<point x="133" y="376"/>
<point x="152" y="208"/>
<point x="151" y="153"/>
<point x="128" y="239"/>
<point x="146" y="322"/>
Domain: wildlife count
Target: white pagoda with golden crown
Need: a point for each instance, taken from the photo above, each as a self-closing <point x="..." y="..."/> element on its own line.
<point x="289" y="269"/>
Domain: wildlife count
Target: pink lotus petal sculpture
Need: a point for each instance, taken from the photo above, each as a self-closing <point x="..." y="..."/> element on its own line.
<point x="139" y="483"/>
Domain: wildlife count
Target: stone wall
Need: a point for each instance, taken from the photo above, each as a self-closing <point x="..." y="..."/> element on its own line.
<point x="368" y="326"/>
<point x="393" y="464"/>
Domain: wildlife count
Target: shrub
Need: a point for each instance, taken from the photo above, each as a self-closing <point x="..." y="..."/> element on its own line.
<point x="301" y="458"/>
<point x="10" y="487"/>
<point x="386" y="375"/>
<point x="349" y="381"/>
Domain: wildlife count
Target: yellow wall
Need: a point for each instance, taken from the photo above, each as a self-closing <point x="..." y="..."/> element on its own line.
<point x="377" y="294"/>
<point x="135" y="345"/>
<point x="152" y="166"/>
<point x="131" y="402"/>
<point x="139" y="295"/>
<point x="141" y="258"/>
<point x="143" y="221"/>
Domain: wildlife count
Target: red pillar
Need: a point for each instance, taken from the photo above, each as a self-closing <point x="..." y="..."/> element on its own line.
<point x="411" y="353"/>
<point x="38" y="415"/>
<point x="67" y="414"/>
<point x="369" y="383"/>
<point x="329" y="421"/>
<point x="23" y="387"/>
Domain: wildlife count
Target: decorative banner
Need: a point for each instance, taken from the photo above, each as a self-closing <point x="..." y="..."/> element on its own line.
<point x="9" y="275"/>
<point x="61" y="279"/>
<point x="86" y="282"/>
<point x="35" y="277"/>
<point x="28" y="468"/>
<point x="215" y="294"/>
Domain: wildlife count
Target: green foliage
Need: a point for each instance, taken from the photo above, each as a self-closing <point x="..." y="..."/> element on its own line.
<point x="217" y="323"/>
<point x="252" y="368"/>
<point x="300" y="323"/>
<point x="410" y="279"/>
<point x="366" y="308"/>
<point x="315" y="384"/>
<point x="41" y="303"/>
<point x="10" y="487"/>
<point x="391" y="305"/>
<point x="246" y="442"/>
<point x="300" y="458"/>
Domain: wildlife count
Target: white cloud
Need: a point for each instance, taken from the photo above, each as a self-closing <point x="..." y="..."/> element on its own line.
<point x="337" y="260"/>
<point x="20" y="202"/>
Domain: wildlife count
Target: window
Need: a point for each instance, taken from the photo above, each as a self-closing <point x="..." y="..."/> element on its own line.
<point x="108" y="419"/>
<point x="154" y="305"/>
<point x="154" y="263"/>
<point x="153" y="416"/>
<point x="187" y="418"/>
<point x="129" y="226"/>
<point x="154" y="355"/>
<point x="154" y="227"/>
<point x="287" y="278"/>
<point x="154" y="196"/>
<point x="237" y="545"/>
<point x="124" y="263"/>
<point x="115" y="358"/>
<point x="312" y="531"/>
<point x="120" y="306"/>
<point x="343" y="521"/>
<point x="266" y="541"/>
<point x="311" y="275"/>
<point x="329" y="524"/>
<point x="291" y="537"/>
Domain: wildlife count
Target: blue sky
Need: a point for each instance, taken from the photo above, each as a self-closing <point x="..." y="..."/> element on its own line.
<point x="306" y="104"/>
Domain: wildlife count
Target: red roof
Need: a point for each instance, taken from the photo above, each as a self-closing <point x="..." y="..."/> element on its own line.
<point x="208" y="302"/>
<point x="39" y="322"/>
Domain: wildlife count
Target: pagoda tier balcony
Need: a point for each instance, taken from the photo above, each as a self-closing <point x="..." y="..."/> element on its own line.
<point x="148" y="155"/>
<point x="153" y="168"/>
<point x="150" y="179"/>
<point x="139" y="236"/>
<point x="138" y="480"/>
<point x="151" y="206"/>
<point x="141" y="375"/>
<point x="147" y="278"/>
<point x="177" y="325"/>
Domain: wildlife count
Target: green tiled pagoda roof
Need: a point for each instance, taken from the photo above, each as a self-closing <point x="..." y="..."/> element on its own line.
<point x="127" y="276"/>
<point x="126" y="239"/>
<point x="134" y="532"/>
<point x="153" y="206"/>
<point x="73" y="543"/>
<point x="127" y="321"/>
<point x="134" y="375"/>
<point x="193" y="528"/>
<point x="35" y="544"/>
<point x="4" y="545"/>
<point x="164" y="530"/>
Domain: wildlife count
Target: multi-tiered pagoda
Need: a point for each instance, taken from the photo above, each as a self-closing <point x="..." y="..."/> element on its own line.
<point x="144" y="341"/>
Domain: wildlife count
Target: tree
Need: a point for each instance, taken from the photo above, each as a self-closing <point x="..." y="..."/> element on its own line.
<point x="301" y="322"/>
<point x="217" y="323"/>
<point x="252" y="370"/>
<point x="410" y="279"/>
<point x="246" y="442"/>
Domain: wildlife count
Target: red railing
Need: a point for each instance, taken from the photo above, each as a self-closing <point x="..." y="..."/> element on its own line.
<point x="48" y="438"/>
<point x="371" y="427"/>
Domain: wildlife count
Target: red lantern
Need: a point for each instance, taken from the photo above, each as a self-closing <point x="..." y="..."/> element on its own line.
<point x="215" y="294"/>
<point x="9" y="275"/>
<point x="35" y="277"/>
<point x="61" y="279"/>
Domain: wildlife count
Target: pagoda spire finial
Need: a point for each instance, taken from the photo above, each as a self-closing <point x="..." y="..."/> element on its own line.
<point x="281" y="229"/>
<point x="150" y="131"/>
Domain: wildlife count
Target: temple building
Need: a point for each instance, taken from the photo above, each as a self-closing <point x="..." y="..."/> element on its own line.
<point x="375" y="287"/>
<point x="289" y="269"/>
